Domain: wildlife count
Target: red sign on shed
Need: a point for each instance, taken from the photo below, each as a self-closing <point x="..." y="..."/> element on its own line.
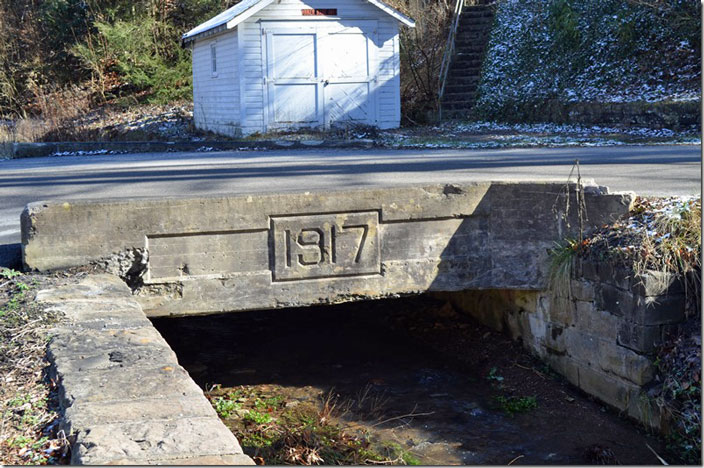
<point x="319" y="12"/>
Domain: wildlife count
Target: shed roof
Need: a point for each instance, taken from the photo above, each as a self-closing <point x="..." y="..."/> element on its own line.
<point x="233" y="16"/>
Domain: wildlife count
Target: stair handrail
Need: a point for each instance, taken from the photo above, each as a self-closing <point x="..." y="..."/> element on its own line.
<point x="449" y="51"/>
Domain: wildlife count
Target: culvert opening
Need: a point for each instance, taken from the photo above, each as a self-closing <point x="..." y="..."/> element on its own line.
<point x="401" y="381"/>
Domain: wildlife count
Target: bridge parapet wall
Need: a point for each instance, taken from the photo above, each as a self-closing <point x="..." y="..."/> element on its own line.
<point x="209" y="255"/>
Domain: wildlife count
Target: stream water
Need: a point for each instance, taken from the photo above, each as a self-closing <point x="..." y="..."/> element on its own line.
<point x="431" y="380"/>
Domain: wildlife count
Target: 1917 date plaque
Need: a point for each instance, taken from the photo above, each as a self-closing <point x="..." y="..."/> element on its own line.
<point x="325" y="245"/>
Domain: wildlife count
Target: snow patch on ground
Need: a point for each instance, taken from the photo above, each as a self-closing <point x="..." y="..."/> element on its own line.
<point x="546" y="128"/>
<point x="87" y="152"/>
<point x="494" y="135"/>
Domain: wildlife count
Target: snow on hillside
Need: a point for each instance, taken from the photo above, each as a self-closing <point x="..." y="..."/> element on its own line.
<point x="591" y="50"/>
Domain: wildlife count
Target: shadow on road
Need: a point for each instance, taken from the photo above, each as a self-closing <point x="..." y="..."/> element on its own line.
<point x="213" y="166"/>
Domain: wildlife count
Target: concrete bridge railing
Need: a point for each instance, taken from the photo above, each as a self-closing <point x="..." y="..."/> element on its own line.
<point x="208" y="255"/>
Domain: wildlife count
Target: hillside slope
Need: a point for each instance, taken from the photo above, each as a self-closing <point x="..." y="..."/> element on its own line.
<point x="577" y="51"/>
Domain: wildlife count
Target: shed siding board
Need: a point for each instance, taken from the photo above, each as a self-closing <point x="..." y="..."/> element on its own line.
<point x="389" y="75"/>
<point x="216" y="98"/>
<point x="247" y="96"/>
<point x="252" y="79"/>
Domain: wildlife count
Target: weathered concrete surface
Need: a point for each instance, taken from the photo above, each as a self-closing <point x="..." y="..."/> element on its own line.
<point x="24" y="181"/>
<point x="205" y="255"/>
<point x="125" y="398"/>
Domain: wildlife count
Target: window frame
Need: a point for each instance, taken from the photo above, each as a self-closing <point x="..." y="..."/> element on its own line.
<point x="214" y="59"/>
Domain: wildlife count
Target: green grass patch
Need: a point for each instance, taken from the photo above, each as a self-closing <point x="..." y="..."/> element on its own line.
<point x="9" y="273"/>
<point x="269" y="404"/>
<point x="225" y="407"/>
<point x="256" y="417"/>
<point x="512" y="405"/>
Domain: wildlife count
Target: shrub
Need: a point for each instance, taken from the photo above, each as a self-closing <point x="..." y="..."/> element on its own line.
<point x="133" y="52"/>
<point x="421" y="51"/>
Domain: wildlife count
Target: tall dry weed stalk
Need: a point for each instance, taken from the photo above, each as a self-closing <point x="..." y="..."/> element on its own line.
<point x="422" y="49"/>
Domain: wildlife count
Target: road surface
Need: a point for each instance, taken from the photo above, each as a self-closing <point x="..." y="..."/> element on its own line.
<point x="646" y="170"/>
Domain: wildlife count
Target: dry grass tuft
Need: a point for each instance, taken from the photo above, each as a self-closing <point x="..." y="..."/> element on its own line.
<point x="28" y="405"/>
<point x="51" y="116"/>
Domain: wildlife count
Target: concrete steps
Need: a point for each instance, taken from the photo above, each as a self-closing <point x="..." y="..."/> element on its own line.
<point x="459" y="93"/>
<point x="464" y="75"/>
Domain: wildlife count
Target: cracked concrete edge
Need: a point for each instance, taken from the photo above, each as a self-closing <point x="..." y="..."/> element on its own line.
<point x="124" y="397"/>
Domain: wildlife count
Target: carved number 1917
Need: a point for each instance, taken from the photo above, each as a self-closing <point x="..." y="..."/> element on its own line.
<point x="325" y="245"/>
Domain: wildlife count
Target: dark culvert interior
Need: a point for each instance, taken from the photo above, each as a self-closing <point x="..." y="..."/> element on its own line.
<point x="405" y="380"/>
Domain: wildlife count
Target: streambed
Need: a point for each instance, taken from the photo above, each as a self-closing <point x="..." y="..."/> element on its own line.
<point x="409" y="373"/>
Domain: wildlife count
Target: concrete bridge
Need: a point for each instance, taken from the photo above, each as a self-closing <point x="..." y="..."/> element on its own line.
<point x="485" y="244"/>
<point x="186" y="256"/>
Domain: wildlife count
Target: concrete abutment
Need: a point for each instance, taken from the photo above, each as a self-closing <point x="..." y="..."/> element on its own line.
<point x="601" y="333"/>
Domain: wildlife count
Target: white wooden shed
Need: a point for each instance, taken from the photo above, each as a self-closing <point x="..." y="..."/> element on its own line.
<point x="266" y="65"/>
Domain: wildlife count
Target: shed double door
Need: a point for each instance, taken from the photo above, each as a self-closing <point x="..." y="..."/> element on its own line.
<point x="319" y="74"/>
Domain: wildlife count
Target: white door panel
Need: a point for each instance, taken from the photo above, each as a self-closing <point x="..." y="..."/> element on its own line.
<point x="345" y="55"/>
<point x="320" y="73"/>
<point x="293" y="56"/>
<point x="347" y="102"/>
<point x="349" y="54"/>
<point x="296" y="103"/>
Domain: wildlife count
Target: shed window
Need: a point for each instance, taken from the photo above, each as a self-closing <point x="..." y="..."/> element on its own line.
<point x="214" y="59"/>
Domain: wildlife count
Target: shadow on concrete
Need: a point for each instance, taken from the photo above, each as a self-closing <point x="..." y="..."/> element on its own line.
<point x="11" y="256"/>
<point x="504" y="243"/>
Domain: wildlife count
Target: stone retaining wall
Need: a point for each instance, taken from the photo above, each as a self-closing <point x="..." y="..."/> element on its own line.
<point x="125" y="398"/>
<point x="601" y="335"/>
<point x="671" y="115"/>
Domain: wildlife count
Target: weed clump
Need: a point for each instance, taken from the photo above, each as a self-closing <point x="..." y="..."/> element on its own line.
<point x="225" y="407"/>
<point x="509" y="404"/>
<point x="660" y="234"/>
<point x="512" y="405"/>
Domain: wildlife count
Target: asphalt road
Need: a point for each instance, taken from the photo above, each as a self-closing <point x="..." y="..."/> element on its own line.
<point x="646" y="170"/>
